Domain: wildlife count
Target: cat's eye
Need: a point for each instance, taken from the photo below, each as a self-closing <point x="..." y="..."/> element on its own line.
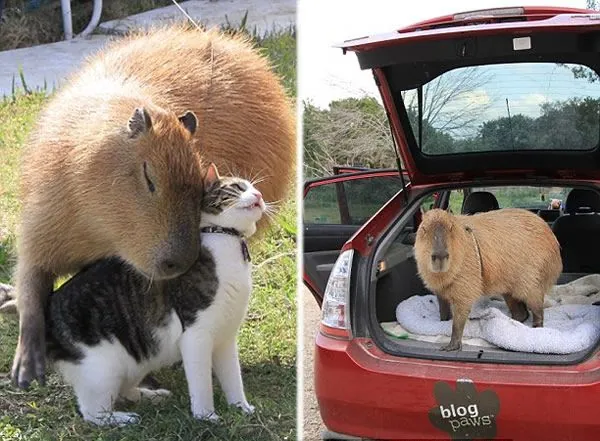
<point x="149" y="182"/>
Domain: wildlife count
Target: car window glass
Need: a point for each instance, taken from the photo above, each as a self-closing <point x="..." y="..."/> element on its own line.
<point x="366" y="196"/>
<point x="321" y="205"/>
<point x="529" y="197"/>
<point x="456" y="201"/>
<point x="350" y="202"/>
<point x="507" y="107"/>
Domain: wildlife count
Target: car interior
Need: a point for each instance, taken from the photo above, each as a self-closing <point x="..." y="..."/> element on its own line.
<point x="575" y="221"/>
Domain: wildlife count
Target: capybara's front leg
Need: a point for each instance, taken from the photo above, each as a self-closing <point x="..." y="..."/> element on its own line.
<point x="460" y="314"/>
<point x="536" y="304"/>
<point x="33" y="287"/>
<point x="445" y="311"/>
<point x="517" y="308"/>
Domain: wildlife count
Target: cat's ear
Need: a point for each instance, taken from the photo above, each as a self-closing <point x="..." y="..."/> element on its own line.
<point x="212" y="174"/>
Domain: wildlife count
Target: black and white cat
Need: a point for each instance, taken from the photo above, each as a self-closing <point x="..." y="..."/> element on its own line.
<point x="109" y="326"/>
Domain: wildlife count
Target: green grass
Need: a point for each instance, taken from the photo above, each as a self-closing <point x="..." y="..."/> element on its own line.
<point x="267" y="339"/>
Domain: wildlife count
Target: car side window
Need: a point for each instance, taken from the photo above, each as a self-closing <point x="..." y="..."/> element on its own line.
<point x="365" y="196"/>
<point x="455" y="202"/>
<point x="321" y="205"/>
<point x="349" y="202"/>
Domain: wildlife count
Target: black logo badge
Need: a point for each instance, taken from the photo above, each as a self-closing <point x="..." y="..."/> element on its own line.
<point x="465" y="413"/>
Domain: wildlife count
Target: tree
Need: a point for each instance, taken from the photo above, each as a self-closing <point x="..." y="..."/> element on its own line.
<point x="352" y="132"/>
<point x="564" y="125"/>
<point x="356" y="132"/>
<point x="446" y="106"/>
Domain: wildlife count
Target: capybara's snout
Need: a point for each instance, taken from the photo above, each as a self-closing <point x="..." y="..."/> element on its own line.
<point x="440" y="256"/>
<point x="179" y="253"/>
<point x="439" y="261"/>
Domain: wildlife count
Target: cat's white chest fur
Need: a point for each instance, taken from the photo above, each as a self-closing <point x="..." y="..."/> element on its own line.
<point x="224" y="316"/>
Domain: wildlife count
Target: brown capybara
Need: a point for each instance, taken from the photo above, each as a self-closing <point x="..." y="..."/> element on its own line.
<point x="247" y="124"/>
<point x="510" y="252"/>
<point x="93" y="187"/>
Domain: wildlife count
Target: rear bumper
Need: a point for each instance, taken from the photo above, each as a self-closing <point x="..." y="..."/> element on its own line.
<point x="366" y="393"/>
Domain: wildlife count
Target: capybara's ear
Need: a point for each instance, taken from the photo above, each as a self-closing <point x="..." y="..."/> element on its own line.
<point x="140" y="122"/>
<point x="212" y="174"/>
<point x="189" y="121"/>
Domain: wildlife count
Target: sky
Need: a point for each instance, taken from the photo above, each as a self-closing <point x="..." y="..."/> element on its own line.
<point x="325" y="74"/>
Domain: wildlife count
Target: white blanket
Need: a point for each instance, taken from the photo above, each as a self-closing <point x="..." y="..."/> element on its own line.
<point x="571" y="322"/>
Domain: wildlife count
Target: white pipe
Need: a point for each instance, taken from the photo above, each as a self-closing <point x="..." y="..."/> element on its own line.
<point x="65" y="5"/>
<point x="97" y="12"/>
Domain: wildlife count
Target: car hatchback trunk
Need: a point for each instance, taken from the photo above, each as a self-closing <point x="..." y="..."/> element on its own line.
<point x="394" y="279"/>
<point x="518" y="98"/>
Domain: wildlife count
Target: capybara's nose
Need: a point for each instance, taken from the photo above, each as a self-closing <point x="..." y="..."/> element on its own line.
<point x="171" y="267"/>
<point x="439" y="256"/>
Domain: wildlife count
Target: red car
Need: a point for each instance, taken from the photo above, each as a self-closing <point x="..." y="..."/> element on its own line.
<point x="488" y="109"/>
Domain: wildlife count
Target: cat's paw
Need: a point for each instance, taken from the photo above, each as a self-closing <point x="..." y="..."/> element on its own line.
<point x="155" y="395"/>
<point x="207" y="415"/>
<point x="247" y="408"/>
<point x="115" y="419"/>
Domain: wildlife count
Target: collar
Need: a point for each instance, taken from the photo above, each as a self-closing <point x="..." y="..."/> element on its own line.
<point x="231" y="232"/>
<point x="222" y="230"/>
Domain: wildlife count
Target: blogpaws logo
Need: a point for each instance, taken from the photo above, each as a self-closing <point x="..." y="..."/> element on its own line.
<point x="465" y="413"/>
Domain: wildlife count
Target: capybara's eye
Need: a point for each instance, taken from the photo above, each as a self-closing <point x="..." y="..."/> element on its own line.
<point x="148" y="180"/>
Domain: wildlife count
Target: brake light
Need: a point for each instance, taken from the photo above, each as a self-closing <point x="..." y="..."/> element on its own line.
<point x="484" y="13"/>
<point x="335" y="318"/>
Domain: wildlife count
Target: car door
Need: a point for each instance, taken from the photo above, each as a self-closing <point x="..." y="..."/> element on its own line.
<point x="335" y="207"/>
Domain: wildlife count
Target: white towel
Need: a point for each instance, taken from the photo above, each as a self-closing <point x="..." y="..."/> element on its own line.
<point x="567" y="328"/>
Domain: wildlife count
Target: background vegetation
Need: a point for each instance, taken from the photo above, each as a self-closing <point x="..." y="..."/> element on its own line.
<point x="267" y="339"/>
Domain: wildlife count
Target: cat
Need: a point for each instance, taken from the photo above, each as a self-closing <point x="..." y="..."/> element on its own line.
<point x="109" y="326"/>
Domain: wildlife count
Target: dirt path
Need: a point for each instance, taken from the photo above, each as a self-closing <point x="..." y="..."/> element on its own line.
<point x="313" y="426"/>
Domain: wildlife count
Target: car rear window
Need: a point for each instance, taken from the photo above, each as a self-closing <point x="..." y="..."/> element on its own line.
<point x="506" y="107"/>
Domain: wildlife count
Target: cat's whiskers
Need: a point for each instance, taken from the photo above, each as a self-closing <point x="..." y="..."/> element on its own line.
<point x="258" y="177"/>
<point x="151" y="280"/>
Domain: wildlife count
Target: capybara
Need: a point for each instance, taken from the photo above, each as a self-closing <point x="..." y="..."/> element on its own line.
<point x="510" y="252"/>
<point x="247" y="124"/>
<point x="92" y="187"/>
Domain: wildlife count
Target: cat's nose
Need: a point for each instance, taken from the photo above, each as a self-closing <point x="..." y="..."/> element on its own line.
<point x="258" y="195"/>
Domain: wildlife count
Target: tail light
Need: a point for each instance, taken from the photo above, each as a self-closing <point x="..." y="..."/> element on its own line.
<point x="335" y="316"/>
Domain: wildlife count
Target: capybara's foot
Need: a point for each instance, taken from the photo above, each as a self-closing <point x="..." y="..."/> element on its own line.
<point x="452" y="346"/>
<point x="537" y="311"/>
<point x="30" y="358"/>
<point x="517" y="308"/>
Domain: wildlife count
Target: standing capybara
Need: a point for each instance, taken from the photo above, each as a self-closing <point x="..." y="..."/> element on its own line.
<point x="510" y="252"/>
<point x="101" y="178"/>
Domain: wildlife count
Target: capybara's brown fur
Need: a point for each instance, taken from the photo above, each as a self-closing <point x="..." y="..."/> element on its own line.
<point x="510" y="252"/>
<point x="85" y="194"/>
<point x="246" y="123"/>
